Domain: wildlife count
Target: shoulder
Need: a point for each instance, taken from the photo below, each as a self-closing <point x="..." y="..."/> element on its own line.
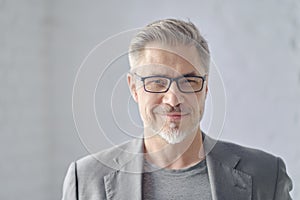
<point x="251" y="157"/>
<point x="103" y="160"/>
<point x="264" y="167"/>
<point x="267" y="170"/>
<point x="244" y="152"/>
<point x="85" y="177"/>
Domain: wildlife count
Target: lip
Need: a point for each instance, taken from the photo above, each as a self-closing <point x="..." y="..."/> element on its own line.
<point x="176" y="116"/>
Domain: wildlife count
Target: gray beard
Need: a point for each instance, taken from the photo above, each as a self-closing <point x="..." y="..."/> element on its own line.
<point x="174" y="135"/>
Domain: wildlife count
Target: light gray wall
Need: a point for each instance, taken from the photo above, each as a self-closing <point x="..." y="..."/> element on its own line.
<point x="255" y="44"/>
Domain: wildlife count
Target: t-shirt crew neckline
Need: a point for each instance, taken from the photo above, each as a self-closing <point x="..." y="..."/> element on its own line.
<point x="199" y="167"/>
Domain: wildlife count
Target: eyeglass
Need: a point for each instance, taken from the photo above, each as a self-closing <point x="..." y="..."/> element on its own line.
<point x="161" y="84"/>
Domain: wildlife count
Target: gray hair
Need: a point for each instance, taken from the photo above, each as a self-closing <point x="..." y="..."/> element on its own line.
<point x="170" y="32"/>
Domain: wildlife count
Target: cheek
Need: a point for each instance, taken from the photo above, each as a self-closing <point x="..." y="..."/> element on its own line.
<point x="197" y="102"/>
<point x="147" y="102"/>
<point x="202" y="104"/>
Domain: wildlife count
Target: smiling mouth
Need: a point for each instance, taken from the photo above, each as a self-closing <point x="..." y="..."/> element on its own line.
<point x="172" y="113"/>
<point x="175" y="116"/>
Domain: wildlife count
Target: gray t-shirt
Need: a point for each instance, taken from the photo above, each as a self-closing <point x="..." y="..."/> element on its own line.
<point x="188" y="183"/>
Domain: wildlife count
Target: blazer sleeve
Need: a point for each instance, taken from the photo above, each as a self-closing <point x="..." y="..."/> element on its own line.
<point x="70" y="186"/>
<point x="284" y="183"/>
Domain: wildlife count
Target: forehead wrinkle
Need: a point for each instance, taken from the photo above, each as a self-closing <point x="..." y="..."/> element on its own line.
<point x="178" y="60"/>
<point x="162" y="57"/>
<point x="188" y="52"/>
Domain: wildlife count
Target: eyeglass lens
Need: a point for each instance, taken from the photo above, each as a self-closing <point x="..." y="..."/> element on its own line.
<point x="162" y="84"/>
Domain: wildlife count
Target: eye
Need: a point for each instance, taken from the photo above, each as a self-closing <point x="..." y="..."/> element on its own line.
<point x="156" y="82"/>
<point x="189" y="80"/>
<point x="160" y="81"/>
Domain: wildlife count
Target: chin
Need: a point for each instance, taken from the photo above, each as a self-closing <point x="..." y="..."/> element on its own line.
<point x="173" y="136"/>
<point x="173" y="132"/>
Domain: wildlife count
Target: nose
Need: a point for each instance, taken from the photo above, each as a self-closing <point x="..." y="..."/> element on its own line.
<point x="173" y="96"/>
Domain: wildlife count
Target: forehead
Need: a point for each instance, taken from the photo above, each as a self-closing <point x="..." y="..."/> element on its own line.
<point x="161" y="59"/>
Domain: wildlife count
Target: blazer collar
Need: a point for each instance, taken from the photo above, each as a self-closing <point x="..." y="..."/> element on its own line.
<point x="125" y="182"/>
<point x="227" y="182"/>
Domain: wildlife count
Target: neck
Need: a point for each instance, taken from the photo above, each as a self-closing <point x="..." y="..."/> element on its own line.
<point x="174" y="156"/>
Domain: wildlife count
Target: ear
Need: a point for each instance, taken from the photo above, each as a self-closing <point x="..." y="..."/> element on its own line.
<point x="132" y="87"/>
<point x="206" y="87"/>
<point x="206" y="90"/>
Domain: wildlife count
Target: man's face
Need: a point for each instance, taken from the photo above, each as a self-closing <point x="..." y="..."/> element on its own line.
<point x="172" y="115"/>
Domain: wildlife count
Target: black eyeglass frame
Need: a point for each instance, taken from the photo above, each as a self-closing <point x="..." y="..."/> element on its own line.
<point x="171" y="81"/>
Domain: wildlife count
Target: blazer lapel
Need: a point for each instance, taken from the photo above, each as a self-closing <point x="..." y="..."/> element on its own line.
<point x="126" y="181"/>
<point x="227" y="182"/>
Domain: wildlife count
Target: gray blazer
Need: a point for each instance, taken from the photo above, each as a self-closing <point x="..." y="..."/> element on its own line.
<point x="235" y="173"/>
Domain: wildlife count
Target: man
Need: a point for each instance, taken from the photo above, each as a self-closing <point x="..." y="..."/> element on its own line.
<point x="174" y="160"/>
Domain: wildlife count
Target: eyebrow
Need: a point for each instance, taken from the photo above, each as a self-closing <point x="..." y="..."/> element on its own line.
<point x="193" y="73"/>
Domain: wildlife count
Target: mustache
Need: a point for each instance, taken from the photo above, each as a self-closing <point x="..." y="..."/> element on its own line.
<point x="167" y="109"/>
